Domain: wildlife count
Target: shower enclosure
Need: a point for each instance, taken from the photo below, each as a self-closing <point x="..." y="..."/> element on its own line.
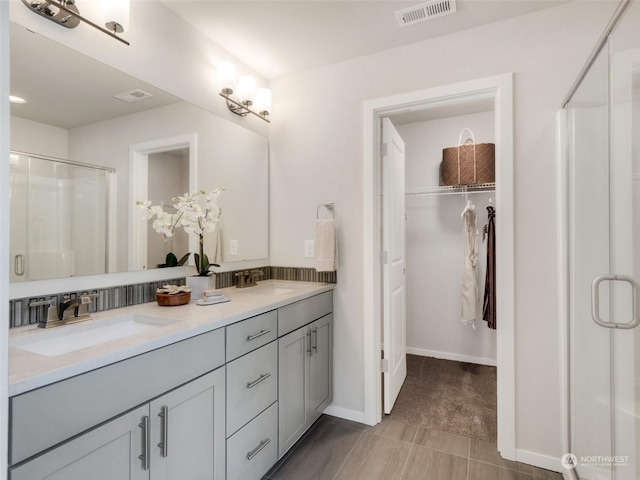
<point x="58" y="218"/>
<point x="603" y="208"/>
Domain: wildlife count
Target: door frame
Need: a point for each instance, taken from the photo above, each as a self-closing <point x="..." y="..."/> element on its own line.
<point x="138" y="175"/>
<point x="500" y="89"/>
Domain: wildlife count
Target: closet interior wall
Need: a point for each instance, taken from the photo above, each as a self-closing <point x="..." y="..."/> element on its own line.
<point x="434" y="245"/>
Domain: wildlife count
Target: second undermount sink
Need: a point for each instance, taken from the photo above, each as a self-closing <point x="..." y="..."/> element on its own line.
<point x="279" y="288"/>
<point x="69" y="338"/>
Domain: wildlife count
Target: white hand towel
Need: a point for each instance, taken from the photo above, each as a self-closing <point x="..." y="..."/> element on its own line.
<point x="326" y="245"/>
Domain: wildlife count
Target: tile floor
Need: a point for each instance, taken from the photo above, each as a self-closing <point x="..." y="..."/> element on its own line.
<point x="418" y="440"/>
<point x="342" y="450"/>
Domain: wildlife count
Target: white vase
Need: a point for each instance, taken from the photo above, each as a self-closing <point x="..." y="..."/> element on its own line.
<point x="199" y="284"/>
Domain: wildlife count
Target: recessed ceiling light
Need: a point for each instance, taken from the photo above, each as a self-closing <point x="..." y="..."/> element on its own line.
<point x="14" y="99"/>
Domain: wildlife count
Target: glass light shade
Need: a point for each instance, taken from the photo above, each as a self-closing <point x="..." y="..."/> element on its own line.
<point x="116" y="11"/>
<point x="226" y="76"/>
<point x="263" y="100"/>
<point x="246" y="88"/>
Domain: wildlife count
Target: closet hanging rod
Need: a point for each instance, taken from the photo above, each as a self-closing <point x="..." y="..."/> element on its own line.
<point x="450" y="190"/>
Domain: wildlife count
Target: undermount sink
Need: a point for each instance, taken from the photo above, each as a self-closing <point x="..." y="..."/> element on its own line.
<point x="271" y="288"/>
<point x="69" y="338"/>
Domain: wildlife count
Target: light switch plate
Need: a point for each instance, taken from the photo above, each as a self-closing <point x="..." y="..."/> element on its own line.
<point x="233" y="248"/>
<point x="309" y="248"/>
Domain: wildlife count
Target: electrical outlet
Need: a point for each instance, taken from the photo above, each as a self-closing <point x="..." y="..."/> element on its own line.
<point x="233" y="248"/>
<point x="309" y="247"/>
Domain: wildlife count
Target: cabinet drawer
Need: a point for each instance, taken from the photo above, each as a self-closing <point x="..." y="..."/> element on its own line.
<point x="252" y="385"/>
<point x="245" y="336"/>
<point x="49" y="415"/>
<point x="254" y="449"/>
<point x="291" y="317"/>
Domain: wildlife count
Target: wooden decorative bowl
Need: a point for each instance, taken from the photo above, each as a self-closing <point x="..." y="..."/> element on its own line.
<point x="173" y="299"/>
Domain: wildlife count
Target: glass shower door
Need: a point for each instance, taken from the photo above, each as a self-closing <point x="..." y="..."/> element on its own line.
<point x="604" y="265"/>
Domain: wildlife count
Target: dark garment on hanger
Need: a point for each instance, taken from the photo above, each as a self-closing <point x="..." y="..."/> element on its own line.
<point x="489" y="304"/>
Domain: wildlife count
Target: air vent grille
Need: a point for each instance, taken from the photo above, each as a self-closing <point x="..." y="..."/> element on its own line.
<point x="425" y="11"/>
<point x="133" y="95"/>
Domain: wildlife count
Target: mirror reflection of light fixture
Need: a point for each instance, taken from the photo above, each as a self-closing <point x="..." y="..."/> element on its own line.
<point x="65" y="13"/>
<point x="245" y="93"/>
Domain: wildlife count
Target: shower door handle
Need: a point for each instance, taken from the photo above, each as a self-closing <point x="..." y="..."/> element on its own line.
<point x="18" y="265"/>
<point x="595" y="301"/>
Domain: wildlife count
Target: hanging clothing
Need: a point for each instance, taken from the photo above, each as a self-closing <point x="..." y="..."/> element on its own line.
<point x="489" y="304"/>
<point x="469" y="269"/>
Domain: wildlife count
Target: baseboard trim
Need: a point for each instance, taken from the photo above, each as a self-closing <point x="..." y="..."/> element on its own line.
<point x="538" y="460"/>
<point x="347" y="414"/>
<point x="452" y="356"/>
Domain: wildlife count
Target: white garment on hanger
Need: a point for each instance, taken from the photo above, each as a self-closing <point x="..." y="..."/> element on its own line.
<point x="469" y="269"/>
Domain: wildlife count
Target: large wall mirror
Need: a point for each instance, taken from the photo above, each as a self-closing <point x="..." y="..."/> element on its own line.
<point x="81" y="156"/>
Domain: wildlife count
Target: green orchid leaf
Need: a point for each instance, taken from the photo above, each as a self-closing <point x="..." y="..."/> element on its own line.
<point x="184" y="259"/>
<point x="171" y="260"/>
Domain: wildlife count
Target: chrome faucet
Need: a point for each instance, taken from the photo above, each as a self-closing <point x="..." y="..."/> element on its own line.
<point x="247" y="278"/>
<point x="71" y="310"/>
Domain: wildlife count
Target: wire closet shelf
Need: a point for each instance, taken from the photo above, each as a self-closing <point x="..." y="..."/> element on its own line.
<point x="450" y="190"/>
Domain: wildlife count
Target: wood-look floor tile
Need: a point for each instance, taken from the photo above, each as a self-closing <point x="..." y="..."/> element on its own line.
<point x="375" y="457"/>
<point x="345" y="423"/>
<point x="320" y="455"/>
<point x="541" y="473"/>
<point x="486" y="471"/>
<point x="443" y="441"/>
<point x="427" y="464"/>
<point x="396" y="430"/>
<point x="488" y="453"/>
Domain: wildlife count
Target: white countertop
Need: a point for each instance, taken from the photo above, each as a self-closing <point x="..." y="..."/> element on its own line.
<point x="28" y="371"/>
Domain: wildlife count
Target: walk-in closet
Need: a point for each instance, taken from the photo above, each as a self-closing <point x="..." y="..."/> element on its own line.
<point x="451" y="354"/>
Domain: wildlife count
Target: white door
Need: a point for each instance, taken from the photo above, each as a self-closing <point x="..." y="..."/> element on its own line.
<point x="393" y="264"/>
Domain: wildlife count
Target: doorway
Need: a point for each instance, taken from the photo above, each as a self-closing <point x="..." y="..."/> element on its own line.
<point x="179" y="154"/>
<point x="498" y="90"/>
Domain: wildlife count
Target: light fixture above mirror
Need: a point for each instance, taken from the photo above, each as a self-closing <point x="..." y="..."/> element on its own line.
<point x="65" y="13"/>
<point x="245" y="92"/>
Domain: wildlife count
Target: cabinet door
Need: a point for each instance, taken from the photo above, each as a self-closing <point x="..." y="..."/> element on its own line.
<point x="110" y="452"/>
<point x="292" y="391"/>
<point x="320" y="366"/>
<point x="188" y="430"/>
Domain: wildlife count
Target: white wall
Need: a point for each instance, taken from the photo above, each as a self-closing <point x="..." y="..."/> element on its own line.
<point x="35" y="137"/>
<point x="434" y="243"/>
<point x="4" y="233"/>
<point x="317" y="156"/>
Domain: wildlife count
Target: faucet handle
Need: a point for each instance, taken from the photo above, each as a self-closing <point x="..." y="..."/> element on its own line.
<point x="38" y="303"/>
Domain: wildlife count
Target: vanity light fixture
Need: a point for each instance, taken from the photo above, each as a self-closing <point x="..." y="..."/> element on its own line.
<point x="245" y="93"/>
<point x="65" y="13"/>
<point x="14" y="99"/>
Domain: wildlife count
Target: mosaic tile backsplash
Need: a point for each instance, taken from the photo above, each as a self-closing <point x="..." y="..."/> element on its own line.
<point x="127" y="295"/>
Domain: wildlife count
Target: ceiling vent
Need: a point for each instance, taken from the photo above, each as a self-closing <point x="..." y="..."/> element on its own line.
<point x="425" y="11"/>
<point x="133" y="95"/>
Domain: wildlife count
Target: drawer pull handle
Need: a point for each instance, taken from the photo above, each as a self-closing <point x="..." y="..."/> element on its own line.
<point x="257" y="450"/>
<point x="164" y="443"/>
<point x="315" y="339"/>
<point x="258" y="335"/>
<point x="258" y="380"/>
<point x="146" y="443"/>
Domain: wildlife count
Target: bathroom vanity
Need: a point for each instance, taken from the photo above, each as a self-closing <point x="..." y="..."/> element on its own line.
<point x="210" y="392"/>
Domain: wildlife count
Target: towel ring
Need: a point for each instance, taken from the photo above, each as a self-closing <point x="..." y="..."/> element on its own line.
<point x="328" y="206"/>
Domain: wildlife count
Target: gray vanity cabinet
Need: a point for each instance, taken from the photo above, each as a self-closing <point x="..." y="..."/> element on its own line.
<point x="187" y="430"/>
<point x="107" y="453"/>
<point x="178" y="435"/>
<point x="305" y="386"/>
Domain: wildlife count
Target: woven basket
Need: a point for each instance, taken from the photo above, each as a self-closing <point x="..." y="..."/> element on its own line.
<point x="468" y="164"/>
<point x="173" y="299"/>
